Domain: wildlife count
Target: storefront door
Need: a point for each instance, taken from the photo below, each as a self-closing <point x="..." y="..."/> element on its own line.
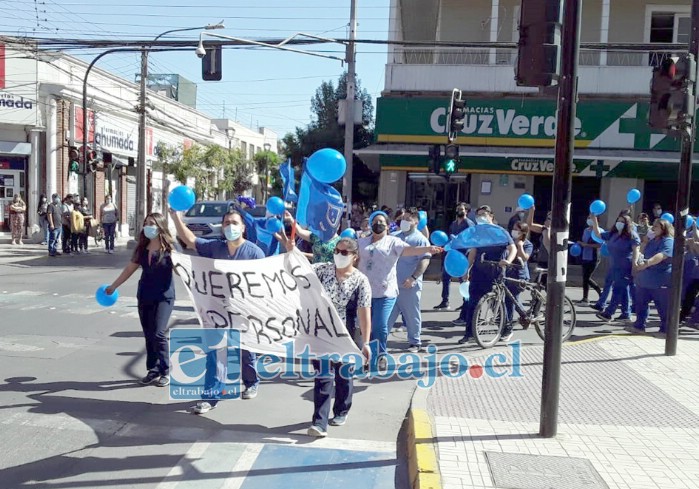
<point x="11" y="183"/>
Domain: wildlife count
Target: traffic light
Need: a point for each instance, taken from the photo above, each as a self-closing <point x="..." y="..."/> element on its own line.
<point x="539" y="46"/>
<point x="91" y="160"/>
<point x="73" y="160"/>
<point x="455" y="115"/>
<point x="451" y="159"/>
<point x="211" y="69"/>
<point x="435" y="158"/>
<point x="672" y="104"/>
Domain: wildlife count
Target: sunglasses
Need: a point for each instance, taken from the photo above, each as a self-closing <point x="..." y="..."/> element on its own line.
<point x="343" y="252"/>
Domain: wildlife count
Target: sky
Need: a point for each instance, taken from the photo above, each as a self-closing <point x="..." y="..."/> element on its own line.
<point x="259" y="88"/>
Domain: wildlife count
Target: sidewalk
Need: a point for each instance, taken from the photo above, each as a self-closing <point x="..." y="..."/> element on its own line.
<point x="628" y="418"/>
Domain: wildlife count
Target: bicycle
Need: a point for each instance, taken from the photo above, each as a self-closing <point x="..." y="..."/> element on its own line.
<point x="489" y="314"/>
<point x="569" y="313"/>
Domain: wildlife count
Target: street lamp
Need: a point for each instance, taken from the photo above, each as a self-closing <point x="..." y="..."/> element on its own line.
<point x="267" y="147"/>
<point x="230" y="133"/>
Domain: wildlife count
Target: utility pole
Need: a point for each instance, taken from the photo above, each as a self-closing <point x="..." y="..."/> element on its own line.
<point x="140" y="214"/>
<point x="349" y="109"/>
<point x="684" y="181"/>
<point x="560" y="217"/>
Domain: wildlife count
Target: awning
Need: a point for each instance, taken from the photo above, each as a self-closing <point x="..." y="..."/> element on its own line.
<point x="16" y="149"/>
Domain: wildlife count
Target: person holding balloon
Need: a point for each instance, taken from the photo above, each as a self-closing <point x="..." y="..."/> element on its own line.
<point x="524" y="247"/>
<point x="545" y="243"/>
<point x="691" y="273"/>
<point x="232" y="246"/>
<point x="155" y="295"/>
<point x="653" y="276"/>
<point x="379" y="255"/>
<point x="459" y="224"/>
<point x="622" y="242"/>
<point x="589" y="262"/>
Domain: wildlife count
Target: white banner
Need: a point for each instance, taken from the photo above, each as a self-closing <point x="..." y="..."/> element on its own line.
<point x="271" y="301"/>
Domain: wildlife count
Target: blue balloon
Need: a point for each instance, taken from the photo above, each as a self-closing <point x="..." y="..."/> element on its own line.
<point x="633" y="196"/>
<point x="422" y="222"/>
<point x="604" y="251"/>
<point x="525" y="201"/>
<point x="464" y="290"/>
<point x="275" y="206"/>
<point x="690" y="222"/>
<point x="326" y="165"/>
<point x="598" y="207"/>
<point x="104" y="299"/>
<point x="668" y="217"/>
<point x="596" y="238"/>
<point x="575" y="250"/>
<point x="349" y="233"/>
<point x="456" y="263"/>
<point x="274" y="225"/>
<point x="439" y="238"/>
<point x="181" y="198"/>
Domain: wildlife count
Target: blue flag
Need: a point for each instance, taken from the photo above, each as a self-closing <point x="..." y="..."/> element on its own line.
<point x="255" y="232"/>
<point x="320" y="207"/>
<point x="286" y="170"/>
<point x="480" y="236"/>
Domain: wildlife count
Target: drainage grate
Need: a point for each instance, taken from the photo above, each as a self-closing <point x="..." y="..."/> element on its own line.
<point x="519" y="471"/>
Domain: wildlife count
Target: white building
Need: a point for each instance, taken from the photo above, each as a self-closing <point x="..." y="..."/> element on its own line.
<point x="41" y="119"/>
<point x="507" y="144"/>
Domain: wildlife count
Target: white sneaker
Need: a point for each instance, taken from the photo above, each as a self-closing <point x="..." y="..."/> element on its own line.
<point x="202" y="407"/>
<point x="317" y="432"/>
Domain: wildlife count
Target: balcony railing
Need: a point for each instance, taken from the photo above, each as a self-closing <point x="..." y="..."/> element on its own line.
<point x="508" y="56"/>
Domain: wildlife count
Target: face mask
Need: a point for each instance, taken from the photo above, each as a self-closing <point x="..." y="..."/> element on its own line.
<point x="342" y="261"/>
<point x="461" y="213"/>
<point x="521" y="215"/>
<point x="620" y="226"/>
<point x="515" y="233"/>
<point x="232" y="233"/>
<point x="590" y="222"/>
<point x="481" y="220"/>
<point x="657" y="212"/>
<point x="651" y="234"/>
<point x="405" y="225"/>
<point x="150" y="231"/>
<point x="57" y="200"/>
<point x="378" y="227"/>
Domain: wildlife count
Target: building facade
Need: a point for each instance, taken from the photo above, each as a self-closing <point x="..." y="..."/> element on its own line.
<point x="507" y="144"/>
<point x="41" y="120"/>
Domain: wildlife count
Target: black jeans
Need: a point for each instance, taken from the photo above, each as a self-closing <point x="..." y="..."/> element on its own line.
<point x="688" y="301"/>
<point x="154" y="318"/>
<point x="67" y="238"/>
<point x="325" y="383"/>
<point x="588" y="268"/>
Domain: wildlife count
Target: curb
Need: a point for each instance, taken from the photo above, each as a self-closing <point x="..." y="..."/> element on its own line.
<point x="423" y="462"/>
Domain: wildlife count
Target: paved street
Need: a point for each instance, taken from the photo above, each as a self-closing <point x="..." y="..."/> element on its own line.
<point x="75" y="417"/>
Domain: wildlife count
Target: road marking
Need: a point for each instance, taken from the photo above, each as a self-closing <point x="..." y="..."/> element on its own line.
<point x="243" y="466"/>
<point x="176" y="474"/>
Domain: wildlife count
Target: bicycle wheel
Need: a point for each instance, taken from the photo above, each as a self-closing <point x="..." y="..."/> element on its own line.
<point x="488" y="320"/>
<point x="569" y="317"/>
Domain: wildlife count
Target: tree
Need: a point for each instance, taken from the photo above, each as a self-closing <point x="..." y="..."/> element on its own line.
<point x="325" y="132"/>
<point x="267" y="163"/>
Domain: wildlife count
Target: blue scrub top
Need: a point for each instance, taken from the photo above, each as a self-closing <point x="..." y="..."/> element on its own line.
<point x="486" y="273"/>
<point x="588" y="254"/>
<point x="406" y="264"/>
<point x="521" y="272"/>
<point x="218" y="249"/>
<point x="659" y="275"/>
<point x="156" y="282"/>
<point x="621" y="251"/>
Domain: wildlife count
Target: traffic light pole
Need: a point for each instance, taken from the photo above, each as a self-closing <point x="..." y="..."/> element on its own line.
<point x="349" y="111"/>
<point x="684" y="181"/>
<point x="560" y="216"/>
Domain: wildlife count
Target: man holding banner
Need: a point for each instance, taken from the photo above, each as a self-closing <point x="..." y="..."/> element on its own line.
<point x="233" y="247"/>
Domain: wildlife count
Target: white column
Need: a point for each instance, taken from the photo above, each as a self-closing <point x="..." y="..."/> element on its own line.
<point x="33" y="181"/>
<point x="494" y="22"/>
<point x="604" y="31"/>
<point x="394" y="31"/>
<point x="51" y="148"/>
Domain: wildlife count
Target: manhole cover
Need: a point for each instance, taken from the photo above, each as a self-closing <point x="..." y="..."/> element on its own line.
<point x="518" y="471"/>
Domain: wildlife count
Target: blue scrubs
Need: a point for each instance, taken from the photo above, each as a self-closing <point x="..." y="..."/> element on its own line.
<point x="653" y="283"/>
<point x="455" y="228"/>
<point x="408" y="302"/>
<point x="620" y="253"/>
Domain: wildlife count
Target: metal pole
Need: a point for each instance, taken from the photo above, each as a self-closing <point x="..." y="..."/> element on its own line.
<point x="560" y="216"/>
<point x="684" y="182"/>
<point x="140" y="214"/>
<point x="349" y="110"/>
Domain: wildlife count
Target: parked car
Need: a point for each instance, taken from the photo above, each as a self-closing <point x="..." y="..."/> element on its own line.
<point x="204" y="218"/>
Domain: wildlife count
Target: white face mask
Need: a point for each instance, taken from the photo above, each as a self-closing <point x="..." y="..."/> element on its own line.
<point x="150" y="231"/>
<point x="232" y="232"/>
<point x="405" y="225"/>
<point x="516" y="233"/>
<point x="590" y="222"/>
<point x="342" y="261"/>
<point x="482" y="220"/>
<point x="650" y="234"/>
<point x="620" y="226"/>
<point x="657" y="212"/>
<point x="521" y="215"/>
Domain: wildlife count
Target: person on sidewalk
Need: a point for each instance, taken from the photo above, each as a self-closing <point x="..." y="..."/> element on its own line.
<point x="690" y="285"/>
<point x="482" y="276"/>
<point x="622" y="243"/>
<point x="519" y="233"/>
<point x="155" y="296"/>
<point x="66" y="210"/>
<point x="108" y="218"/>
<point x="17" y="210"/>
<point x="542" y="256"/>
<point x="590" y="261"/>
<point x="53" y="214"/>
<point x="231" y="246"/>
<point x="77" y="227"/>
<point x="457" y="226"/>
<point x="653" y="276"/>
<point x="87" y="215"/>
<point x="409" y="271"/>
<point x="379" y="255"/>
<point x="41" y="211"/>
<point x="350" y="293"/>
